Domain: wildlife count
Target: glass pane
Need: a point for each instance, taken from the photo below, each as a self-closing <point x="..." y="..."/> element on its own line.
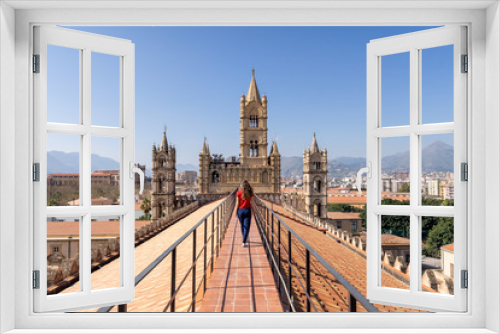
<point x="395" y="252"/>
<point x="63" y="254"/>
<point x="63" y="169"/>
<point x="437" y="84"/>
<point x="105" y="90"/>
<point x="105" y="247"/>
<point x="105" y="166"/>
<point x="438" y="254"/>
<point x="63" y="85"/>
<point x="395" y="179"/>
<point x="437" y="170"/>
<point x="395" y="89"/>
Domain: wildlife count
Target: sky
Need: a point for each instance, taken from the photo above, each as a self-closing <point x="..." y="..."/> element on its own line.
<point x="190" y="79"/>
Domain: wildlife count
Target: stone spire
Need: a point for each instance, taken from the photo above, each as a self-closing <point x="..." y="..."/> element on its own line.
<point x="314" y="145"/>
<point x="253" y="91"/>
<point x="164" y="143"/>
<point x="205" y="150"/>
<point x="275" y="149"/>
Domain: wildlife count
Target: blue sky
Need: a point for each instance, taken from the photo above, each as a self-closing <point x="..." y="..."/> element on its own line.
<point x="191" y="79"/>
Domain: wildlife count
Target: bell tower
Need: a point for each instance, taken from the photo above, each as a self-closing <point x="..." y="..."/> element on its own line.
<point x="314" y="178"/>
<point x="162" y="179"/>
<point x="253" y="127"/>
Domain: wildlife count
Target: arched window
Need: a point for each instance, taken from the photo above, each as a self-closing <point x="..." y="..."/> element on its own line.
<point x="317" y="186"/>
<point x="254" y="122"/>
<point x="316" y="165"/>
<point x="215" y="177"/>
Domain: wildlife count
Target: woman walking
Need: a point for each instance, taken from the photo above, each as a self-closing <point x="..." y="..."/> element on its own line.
<point x="244" y="196"/>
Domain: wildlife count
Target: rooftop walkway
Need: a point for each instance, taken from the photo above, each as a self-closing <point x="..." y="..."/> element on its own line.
<point x="152" y="293"/>
<point x="242" y="280"/>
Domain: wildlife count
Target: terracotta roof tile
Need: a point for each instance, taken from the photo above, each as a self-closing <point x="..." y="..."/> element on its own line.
<point x="343" y="215"/>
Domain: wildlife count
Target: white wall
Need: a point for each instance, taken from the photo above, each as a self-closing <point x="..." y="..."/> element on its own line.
<point x="7" y="157"/>
<point x="492" y="185"/>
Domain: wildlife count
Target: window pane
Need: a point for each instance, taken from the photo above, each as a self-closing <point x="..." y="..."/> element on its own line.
<point x="105" y="90"/>
<point x="437" y="84"/>
<point x="105" y="168"/>
<point x="438" y="254"/>
<point x="63" y="169"/>
<point x="105" y="247"/>
<point x="395" y="252"/>
<point x="63" y="85"/>
<point x="63" y="254"/>
<point x="395" y="179"/>
<point x="395" y="90"/>
<point x="438" y="170"/>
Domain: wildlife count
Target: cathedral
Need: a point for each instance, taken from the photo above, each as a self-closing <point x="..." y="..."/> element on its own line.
<point x="254" y="164"/>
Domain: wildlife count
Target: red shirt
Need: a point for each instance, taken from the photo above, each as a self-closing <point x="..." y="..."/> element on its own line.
<point x="244" y="203"/>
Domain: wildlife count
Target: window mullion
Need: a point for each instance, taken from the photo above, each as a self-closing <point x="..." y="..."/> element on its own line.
<point x="415" y="159"/>
<point x="85" y="244"/>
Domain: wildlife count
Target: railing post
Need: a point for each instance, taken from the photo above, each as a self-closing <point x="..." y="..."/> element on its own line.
<point x="193" y="283"/>
<point x="352" y="303"/>
<point x="279" y="256"/>
<point x="308" y="280"/>
<point x="205" y="256"/>
<point x="212" y="242"/>
<point x="219" y="243"/>
<point x="290" y="264"/>
<point x="172" y="286"/>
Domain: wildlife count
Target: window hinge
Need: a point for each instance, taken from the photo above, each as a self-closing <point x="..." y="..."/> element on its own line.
<point x="465" y="279"/>
<point x="464" y="171"/>
<point x="36" y="172"/>
<point x="465" y="64"/>
<point x="36" y="63"/>
<point x="36" y="279"/>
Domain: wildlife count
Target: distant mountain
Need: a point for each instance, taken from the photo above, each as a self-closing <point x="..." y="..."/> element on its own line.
<point x="63" y="162"/>
<point x="291" y="166"/>
<point x="437" y="157"/>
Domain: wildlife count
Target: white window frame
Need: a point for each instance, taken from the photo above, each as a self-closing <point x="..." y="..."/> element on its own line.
<point x="484" y="211"/>
<point x="414" y="43"/>
<point x="86" y="44"/>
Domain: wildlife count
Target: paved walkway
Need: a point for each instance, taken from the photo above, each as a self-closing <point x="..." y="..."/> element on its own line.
<point x="242" y="280"/>
<point x="153" y="293"/>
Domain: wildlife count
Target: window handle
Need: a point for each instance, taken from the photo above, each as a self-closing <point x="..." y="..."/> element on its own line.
<point x="368" y="171"/>
<point x="139" y="171"/>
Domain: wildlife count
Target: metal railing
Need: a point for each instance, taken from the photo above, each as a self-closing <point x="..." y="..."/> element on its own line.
<point x="220" y="218"/>
<point x="285" y="270"/>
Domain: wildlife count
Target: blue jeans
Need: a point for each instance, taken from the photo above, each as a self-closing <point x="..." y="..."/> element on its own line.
<point x="244" y="216"/>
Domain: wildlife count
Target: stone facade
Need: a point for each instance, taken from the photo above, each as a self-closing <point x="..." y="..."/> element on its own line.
<point x="254" y="164"/>
<point x="314" y="179"/>
<point x="162" y="180"/>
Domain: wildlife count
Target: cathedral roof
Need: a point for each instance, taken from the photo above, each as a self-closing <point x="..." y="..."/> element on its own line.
<point x="253" y="91"/>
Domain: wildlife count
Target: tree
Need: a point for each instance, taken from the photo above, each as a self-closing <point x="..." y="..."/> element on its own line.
<point x="440" y="235"/>
<point x="342" y="208"/>
<point x="405" y="188"/>
<point x="146" y="206"/>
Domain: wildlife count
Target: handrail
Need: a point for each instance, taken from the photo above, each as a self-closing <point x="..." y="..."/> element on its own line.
<point x="353" y="292"/>
<point x="228" y="204"/>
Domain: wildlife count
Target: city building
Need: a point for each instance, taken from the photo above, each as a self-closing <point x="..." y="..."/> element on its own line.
<point x="189" y="176"/>
<point x="255" y="165"/>
<point x="349" y="222"/>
